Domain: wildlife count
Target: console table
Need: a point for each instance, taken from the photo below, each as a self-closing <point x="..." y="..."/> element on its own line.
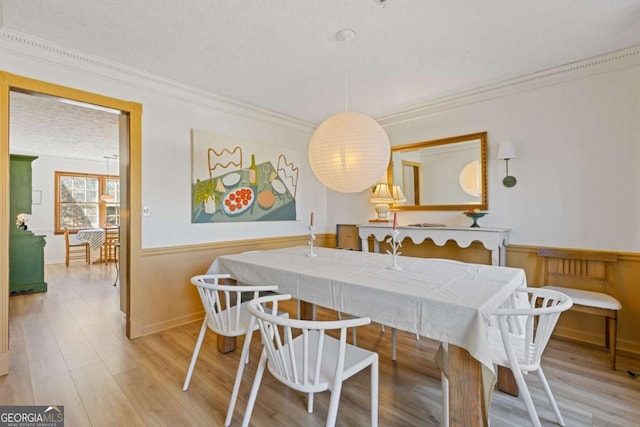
<point x="493" y="239"/>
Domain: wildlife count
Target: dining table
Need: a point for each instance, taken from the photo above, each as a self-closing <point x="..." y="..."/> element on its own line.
<point x="445" y="300"/>
<point x="94" y="236"/>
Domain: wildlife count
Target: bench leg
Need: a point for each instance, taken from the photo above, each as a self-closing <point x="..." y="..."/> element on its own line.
<point x="611" y="338"/>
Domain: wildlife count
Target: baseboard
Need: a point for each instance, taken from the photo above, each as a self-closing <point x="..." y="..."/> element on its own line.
<point x="623" y="346"/>
<point x="172" y="323"/>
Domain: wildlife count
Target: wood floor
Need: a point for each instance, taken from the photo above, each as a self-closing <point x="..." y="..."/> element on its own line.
<point x="68" y="348"/>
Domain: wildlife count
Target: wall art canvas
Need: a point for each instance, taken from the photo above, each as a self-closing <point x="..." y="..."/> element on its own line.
<point x="237" y="180"/>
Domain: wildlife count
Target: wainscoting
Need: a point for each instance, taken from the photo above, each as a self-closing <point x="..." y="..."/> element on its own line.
<point x="572" y="325"/>
<point x="169" y="299"/>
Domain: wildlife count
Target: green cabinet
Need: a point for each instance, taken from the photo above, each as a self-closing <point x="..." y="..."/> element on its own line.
<point x="26" y="250"/>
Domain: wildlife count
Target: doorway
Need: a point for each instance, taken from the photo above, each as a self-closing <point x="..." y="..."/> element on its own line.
<point x="130" y="183"/>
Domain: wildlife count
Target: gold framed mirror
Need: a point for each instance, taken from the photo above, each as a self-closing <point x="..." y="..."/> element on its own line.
<point x="443" y="174"/>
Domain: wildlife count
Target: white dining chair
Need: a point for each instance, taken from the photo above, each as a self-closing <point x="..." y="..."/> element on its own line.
<point x="302" y="356"/>
<point x="225" y="314"/>
<point x="518" y="342"/>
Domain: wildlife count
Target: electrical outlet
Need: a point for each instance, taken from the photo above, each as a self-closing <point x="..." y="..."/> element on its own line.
<point x="146" y="211"/>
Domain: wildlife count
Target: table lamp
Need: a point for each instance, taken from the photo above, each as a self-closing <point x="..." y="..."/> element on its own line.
<point x="381" y="197"/>
<point x="398" y="196"/>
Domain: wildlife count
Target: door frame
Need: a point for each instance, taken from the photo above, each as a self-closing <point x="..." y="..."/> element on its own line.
<point x="131" y="205"/>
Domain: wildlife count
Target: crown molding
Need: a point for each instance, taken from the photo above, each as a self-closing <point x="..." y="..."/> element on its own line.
<point x="624" y="58"/>
<point x="45" y="51"/>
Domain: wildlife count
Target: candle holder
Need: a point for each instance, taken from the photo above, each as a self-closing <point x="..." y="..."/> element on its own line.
<point x="312" y="238"/>
<point x="395" y="245"/>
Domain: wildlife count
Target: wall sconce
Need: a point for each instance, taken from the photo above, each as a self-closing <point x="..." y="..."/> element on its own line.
<point x="381" y="197"/>
<point x="506" y="152"/>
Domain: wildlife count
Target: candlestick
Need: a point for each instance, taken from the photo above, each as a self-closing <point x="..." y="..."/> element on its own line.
<point x="312" y="237"/>
<point x="311" y="222"/>
<point x="395" y="245"/>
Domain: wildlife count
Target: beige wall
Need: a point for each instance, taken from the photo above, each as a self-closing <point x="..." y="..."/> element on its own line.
<point x="170" y="300"/>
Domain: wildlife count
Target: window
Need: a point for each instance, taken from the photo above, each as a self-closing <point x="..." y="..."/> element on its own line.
<point x="79" y="203"/>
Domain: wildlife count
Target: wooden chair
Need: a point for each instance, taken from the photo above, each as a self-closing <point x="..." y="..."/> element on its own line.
<point x="108" y="250"/>
<point x="303" y="357"/>
<point x="79" y="250"/>
<point x="226" y="315"/>
<point x="585" y="276"/>
<point x="519" y="342"/>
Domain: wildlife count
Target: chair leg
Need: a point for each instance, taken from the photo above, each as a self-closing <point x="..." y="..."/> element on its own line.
<point x="526" y="397"/>
<point x="612" y="331"/>
<point x="552" y="401"/>
<point x="445" y="399"/>
<point x="244" y="359"/>
<point x="310" y="403"/>
<point x="194" y="357"/>
<point x="254" y="389"/>
<point x="374" y="393"/>
<point x="334" y="402"/>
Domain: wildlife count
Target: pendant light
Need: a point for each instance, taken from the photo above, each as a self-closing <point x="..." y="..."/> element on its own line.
<point x="349" y="151"/>
<point x="107" y="197"/>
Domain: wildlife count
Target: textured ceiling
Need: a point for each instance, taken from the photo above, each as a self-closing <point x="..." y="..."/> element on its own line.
<point x="43" y="125"/>
<point x="282" y="54"/>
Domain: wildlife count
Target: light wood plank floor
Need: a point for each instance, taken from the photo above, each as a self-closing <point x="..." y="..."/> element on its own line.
<point x="68" y="347"/>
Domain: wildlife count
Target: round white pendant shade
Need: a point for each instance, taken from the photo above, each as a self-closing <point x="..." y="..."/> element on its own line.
<point x="349" y="152"/>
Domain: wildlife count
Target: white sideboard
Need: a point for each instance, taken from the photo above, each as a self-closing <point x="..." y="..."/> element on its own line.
<point x="493" y="239"/>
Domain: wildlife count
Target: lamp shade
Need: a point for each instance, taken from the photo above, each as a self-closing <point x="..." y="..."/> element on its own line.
<point x="398" y="195"/>
<point x="349" y="151"/>
<point x="506" y="151"/>
<point x="381" y="194"/>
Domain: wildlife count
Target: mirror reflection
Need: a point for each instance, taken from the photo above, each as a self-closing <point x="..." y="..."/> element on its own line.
<point x="444" y="174"/>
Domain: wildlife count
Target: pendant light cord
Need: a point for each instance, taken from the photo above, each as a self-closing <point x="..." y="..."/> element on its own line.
<point x="346" y="75"/>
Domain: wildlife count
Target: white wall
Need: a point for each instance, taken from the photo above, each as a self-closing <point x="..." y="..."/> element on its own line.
<point x="169" y="112"/>
<point x="576" y="138"/>
<point x="577" y="165"/>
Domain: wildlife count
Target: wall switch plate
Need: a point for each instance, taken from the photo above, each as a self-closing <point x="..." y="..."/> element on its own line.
<point x="146" y="211"/>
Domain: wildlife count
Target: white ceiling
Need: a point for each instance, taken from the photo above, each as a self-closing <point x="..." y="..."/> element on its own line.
<point x="282" y="55"/>
<point x="43" y="125"/>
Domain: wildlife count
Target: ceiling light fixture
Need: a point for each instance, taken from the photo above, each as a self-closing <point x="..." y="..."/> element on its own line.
<point x="349" y="151"/>
<point x="108" y="197"/>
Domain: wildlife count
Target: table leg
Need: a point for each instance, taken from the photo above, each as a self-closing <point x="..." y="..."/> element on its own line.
<point x="506" y="381"/>
<point x="466" y="396"/>
<point x="306" y="310"/>
<point x="495" y="257"/>
<point x="226" y="344"/>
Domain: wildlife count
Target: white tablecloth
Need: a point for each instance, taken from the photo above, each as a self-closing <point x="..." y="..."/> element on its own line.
<point x="445" y="300"/>
<point x="95" y="237"/>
